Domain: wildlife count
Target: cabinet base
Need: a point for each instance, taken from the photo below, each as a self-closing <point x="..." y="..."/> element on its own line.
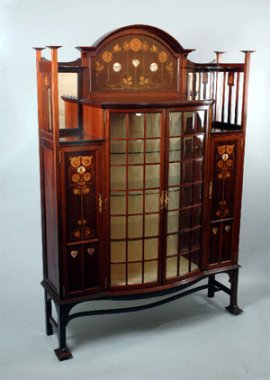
<point x="235" y="310"/>
<point x="63" y="353"/>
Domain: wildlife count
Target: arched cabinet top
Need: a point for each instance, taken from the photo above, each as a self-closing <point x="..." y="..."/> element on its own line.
<point x="136" y="58"/>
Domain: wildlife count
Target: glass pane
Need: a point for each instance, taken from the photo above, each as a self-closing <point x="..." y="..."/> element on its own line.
<point x="189" y="125"/>
<point x="186" y="196"/>
<point x="150" y="249"/>
<point x="174" y="174"/>
<point x="152" y="125"/>
<point x="118" y="227"/>
<point x="197" y="194"/>
<point x="135" y="250"/>
<point x="151" y="225"/>
<point x="118" y="152"/>
<point x="188" y="147"/>
<point x="196" y="216"/>
<point x="184" y="242"/>
<point x="198" y="146"/>
<point x="118" y="178"/>
<point x="172" y="221"/>
<point x="135" y="273"/>
<point x="187" y="171"/>
<point x="150" y="271"/>
<point x="175" y="149"/>
<point x="198" y="170"/>
<point x="175" y="123"/>
<point x="183" y="265"/>
<point x="174" y="198"/>
<point x="118" y="251"/>
<point x="118" y="274"/>
<point x="185" y="219"/>
<point x="152" y="176"/>
<point x="135" y="202"/>
<point x="135" y="226"/>
<point x="118" y="203"/>
<point x="194" y="260"/>
<point x="172" y="245"/>
<point x="135" y="151"/>
<point x="117" y="126"/>
<point x="200" y="121"/>
<point x="152" y="151"/>
<point x="135" y="177"/>
<point x="136" y="126"/>
<point x="195" y="239"/>
<point x="171" y="267"/>
<point x="152" y="200"/>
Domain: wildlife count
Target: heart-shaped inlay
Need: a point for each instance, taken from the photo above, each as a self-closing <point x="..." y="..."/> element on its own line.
<point x="135" y="62"/>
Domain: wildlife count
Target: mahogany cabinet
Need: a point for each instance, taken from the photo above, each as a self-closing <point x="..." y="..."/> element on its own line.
<point x="141" y="162"/>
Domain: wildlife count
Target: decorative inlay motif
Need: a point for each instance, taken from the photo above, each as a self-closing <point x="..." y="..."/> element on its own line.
<point x="126" y="64"/>
<point x="117" y="67"/>
<point x="80" y="174"/>
<point x="135" y="62"/>
<point x="154" y="67"/>
<point x="225" y="160"/>
<point x="82" y="231"/>
<point x="225" y="165"/>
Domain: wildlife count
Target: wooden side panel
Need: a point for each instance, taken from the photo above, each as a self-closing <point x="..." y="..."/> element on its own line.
<point x="224" y="197"/>
<point x="83" y="212"/>
<point x="50" y="218"/>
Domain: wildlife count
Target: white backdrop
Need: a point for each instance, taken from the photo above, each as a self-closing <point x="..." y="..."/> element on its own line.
<point x="229" y="25"/>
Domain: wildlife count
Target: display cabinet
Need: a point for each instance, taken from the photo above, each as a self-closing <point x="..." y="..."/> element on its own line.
<point x="141" y="162"/>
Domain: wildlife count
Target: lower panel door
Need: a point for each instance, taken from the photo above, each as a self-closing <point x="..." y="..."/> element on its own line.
<point x="83" y="253"/>
<point x="224" y="198"/>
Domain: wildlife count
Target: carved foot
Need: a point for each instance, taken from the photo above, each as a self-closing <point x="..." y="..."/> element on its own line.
<point x="63" y="353"/>
<point x="235" y="310"/>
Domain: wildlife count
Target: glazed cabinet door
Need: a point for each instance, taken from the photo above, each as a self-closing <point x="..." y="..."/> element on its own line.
<point x="83" y="202"/>
<point x="183" y="203"/>
<point x="225" y="184"/>
<point x="136" y="167"/>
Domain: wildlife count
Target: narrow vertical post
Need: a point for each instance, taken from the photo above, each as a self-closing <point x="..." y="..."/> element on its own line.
<point x="39" y="85"/>
<point x="218" y="56"/>
<point x="245" y="86"/>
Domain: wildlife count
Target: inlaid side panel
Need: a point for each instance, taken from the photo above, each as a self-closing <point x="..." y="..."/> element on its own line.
<point x="83" y="209"/>
<point x="81" y="195"/>
<point x="224" y="197"/>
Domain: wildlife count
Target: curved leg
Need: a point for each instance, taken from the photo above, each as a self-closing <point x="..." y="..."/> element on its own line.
<point x="62" y="352"/>
<point x="48" y="313"/>
<point x="233" y="308"/>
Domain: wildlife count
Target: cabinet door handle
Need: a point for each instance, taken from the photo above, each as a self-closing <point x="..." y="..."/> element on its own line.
<point x="74" y="253"/>
<point x="100" y="203"/>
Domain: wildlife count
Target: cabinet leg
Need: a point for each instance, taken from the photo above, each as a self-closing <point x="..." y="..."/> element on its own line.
<point x="48" y="313"/>
<point x="211" y="286"/>
<point x="62" y="352"/>
<point x="233" y="308"/>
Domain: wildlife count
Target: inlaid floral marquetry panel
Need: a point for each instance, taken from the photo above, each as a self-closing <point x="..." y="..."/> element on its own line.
<point x="137" y="63"/>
